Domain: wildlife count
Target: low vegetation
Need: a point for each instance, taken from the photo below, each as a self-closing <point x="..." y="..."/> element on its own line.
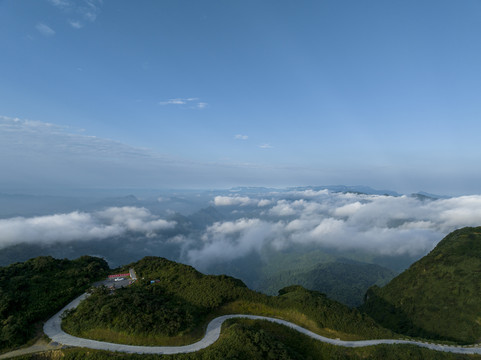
<point x="260" y="340"/>
<point x="36" y="289"/>
<point x="439" y="296"/>
<point x="175" y="309"/>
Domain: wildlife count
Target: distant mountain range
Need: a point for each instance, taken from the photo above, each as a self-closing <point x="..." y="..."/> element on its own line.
<point x="359" y="189"/>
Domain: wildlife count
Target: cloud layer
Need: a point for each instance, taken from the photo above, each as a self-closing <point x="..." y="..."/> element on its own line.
<point x="239" y="200"/>
<point x="79" y="226"/>
<point x="383" y="225"/>
<point x="82" y="10"/>
<point x="44" y="29"/>
<point x="193" y="102"/>
<point x="35" y="154"/>
<point x="272" y="221"/>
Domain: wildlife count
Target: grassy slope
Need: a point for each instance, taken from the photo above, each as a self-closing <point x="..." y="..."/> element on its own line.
<point x="439" y="296"/>
<point x="259" y="340"/>
<point x="187" y="294"/>
<point x="34" y="290"/>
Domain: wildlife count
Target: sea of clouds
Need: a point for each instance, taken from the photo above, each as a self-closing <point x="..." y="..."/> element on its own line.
<point x="384" y="225"/>
<point x="78" y="226"/>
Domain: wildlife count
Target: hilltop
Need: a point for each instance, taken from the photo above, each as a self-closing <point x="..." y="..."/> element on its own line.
<point x="174" y="309"/>
<point x="439" y="295"/>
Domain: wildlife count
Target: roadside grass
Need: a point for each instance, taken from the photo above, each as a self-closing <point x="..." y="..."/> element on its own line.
<point x="255" y="340"/>
<point x="294" y="316"/>
<point x="308" y="348"/>
<point x="38" y="337"/>
<point x="117" y="337"/>
<point x="235" y="307"/>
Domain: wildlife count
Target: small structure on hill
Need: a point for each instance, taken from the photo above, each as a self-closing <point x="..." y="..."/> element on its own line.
<point x="133" y="275"/>
<point x="118" y="276"/>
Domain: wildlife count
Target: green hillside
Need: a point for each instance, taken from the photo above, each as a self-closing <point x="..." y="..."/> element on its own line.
<point x="33" y="291"/>
<point x="343" y="281"/>
<point x="344" y="277"/>
<point x="261" y="340"/>
<point x="175" y="309"/>
<point x="439" y="296"/>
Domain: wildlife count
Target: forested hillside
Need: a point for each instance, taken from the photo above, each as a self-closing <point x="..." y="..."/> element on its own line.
<point x="174" y="309"/>
<point x="439" y="296"/>
<point x="34" y="290"/>
<point x="343" y="281"/>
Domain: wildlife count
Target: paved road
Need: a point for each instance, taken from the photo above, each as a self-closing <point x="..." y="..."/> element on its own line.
<point x="112" y="282"/>
<point x="54" y="331"/>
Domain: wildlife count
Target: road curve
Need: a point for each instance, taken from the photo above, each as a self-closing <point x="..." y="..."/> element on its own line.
<point x="53" y="330"/>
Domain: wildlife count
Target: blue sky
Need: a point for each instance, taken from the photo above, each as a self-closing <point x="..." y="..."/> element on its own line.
<point x="223" y="93"/>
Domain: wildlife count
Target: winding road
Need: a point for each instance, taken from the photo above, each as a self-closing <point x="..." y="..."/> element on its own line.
<point x="53" y="330"/>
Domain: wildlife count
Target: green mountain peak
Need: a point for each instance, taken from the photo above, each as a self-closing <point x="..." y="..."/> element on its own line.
<point x="439" y="296"/>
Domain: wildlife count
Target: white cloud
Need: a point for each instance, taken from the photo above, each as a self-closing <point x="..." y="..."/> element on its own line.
<point x="230" y="227"/>
<point x="36" y="154"/>
<point x="233" y="200"/>
<point x="52" y="228"/>
<point x="241" y="201"/>
<point x="327" y="227"/>
<point x="80" y="226"/>
<point x="464" y="210"/>
<point x="173" y="102"/>
<point x="301" y="224"/>
<point x="296" y="207"/>
<point x="383" y="225"/>
<point x="348" y="209"/>
<point x="44" y="29"/>
<point x="86" y="10"/>
<point x="23" y="134"/>
<point x="135" y="219"/>
<point x="90" y="9"/>
<point x="62" y="4"/>
<point x="282" y="208"/>
<point x="178" y="239"/>
<point x="230" y="240"/>
<point x="309" y="193"/>
<point x="264" y="202"/>
<point x="76" y="24"/>
<point x="192" y="102"/>
<point x="241" y="137"/>
<point x="266" y="146"/>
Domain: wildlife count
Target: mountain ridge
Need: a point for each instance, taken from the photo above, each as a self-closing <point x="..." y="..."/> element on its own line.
<point x="439" y="295"/>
